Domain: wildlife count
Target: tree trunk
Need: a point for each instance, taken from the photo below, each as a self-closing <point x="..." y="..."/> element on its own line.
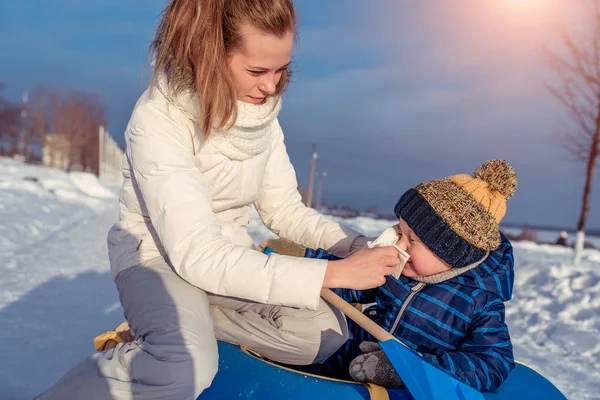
<point x="585" y="208"/>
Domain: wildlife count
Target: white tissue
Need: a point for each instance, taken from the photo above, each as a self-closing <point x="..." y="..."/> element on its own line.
<point x="389" y="237"/>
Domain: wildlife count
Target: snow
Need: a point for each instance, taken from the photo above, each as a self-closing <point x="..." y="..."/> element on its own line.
<point x="56" y="291"/>
<point x="89" y="185"/>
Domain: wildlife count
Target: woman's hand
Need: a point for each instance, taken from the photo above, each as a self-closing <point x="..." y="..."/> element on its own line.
<point x="364" y="269"/>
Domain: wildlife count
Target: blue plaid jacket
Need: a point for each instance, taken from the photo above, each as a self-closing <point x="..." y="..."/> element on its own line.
<point x="457" y="325"/>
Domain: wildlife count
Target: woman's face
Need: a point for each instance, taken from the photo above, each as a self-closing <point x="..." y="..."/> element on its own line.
<point x="258" y="66"/>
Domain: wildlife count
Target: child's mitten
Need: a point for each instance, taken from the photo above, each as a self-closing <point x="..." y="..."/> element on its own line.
<point x="374" y="367"/>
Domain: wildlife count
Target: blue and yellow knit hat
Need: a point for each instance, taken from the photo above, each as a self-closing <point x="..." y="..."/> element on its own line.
<point x="457" y="217"/>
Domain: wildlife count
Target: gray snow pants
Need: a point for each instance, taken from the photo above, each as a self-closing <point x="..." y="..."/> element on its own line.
<point x="175" y="324"/>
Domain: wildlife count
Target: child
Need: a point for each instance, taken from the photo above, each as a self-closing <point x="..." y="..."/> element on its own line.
<point x="448" y="303"/>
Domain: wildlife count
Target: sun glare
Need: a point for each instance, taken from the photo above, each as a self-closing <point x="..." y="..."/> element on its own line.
<point x="524" y="2"/>
<point x="528" y="12"/>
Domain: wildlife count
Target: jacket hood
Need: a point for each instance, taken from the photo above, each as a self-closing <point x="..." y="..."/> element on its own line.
<point x="495" y="274"/>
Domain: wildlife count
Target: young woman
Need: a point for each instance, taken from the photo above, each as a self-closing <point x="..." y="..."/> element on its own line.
<point x="203" y="146"/>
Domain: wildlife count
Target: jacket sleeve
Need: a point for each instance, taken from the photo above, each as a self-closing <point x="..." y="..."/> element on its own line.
<point x="280" y="207"/>
<point x="175" y="196"/>
<point x="485" y="356"/>
<point x="357" y="296"/>
<point x="349" y="295"/>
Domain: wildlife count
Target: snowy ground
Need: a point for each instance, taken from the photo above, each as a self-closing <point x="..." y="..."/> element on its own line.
<point x="56" y="292"/>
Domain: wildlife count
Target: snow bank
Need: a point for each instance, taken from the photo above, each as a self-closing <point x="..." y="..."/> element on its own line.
<point x="89" y="184"/>
<point x="554" y="316"/>
<point x="75" y="187"/>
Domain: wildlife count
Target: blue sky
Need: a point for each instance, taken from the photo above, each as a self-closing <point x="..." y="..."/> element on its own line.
<point x="394" y="92"/>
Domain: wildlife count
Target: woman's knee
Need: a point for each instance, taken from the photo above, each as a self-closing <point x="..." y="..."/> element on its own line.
<point x="334" y="332"/>
<point x="324" y="332"/>
<point x="183" y="361"/>
<point x="172" y="324"/>
<point x="203" y="362"/>
<point x="199" y="349"/>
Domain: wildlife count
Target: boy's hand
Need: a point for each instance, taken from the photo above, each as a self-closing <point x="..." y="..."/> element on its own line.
<point x="374" y="367"/>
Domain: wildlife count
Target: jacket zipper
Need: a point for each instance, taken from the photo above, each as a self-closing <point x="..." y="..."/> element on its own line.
<point x="413" y="292"/>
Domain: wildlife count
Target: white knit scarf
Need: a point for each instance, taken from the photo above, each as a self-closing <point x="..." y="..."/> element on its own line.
<point x="249" y="136"/>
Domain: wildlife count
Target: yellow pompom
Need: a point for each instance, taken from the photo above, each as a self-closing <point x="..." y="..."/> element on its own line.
<point x="499" y="175"/>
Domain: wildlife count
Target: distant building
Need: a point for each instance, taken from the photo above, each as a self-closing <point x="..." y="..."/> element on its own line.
<point x="57" y="152"/>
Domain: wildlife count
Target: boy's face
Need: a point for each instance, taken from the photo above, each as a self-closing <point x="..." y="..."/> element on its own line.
<point x="422" y="261"/>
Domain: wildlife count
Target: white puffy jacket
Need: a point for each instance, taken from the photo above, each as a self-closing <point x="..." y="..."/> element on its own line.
<point x="185" y="199"/>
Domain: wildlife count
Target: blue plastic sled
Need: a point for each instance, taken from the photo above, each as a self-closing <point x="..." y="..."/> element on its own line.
<point x="428" y="382"/>
<point x="245" y="376"/>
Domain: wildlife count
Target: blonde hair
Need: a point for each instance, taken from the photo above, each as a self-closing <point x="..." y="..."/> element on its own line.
<point x="192" y="43"/>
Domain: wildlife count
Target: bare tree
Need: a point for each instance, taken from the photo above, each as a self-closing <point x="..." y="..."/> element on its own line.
<point x="77" y="117"/>
<point x="578" y="90"/>
<point x="24" y="126"/>
<point x="63" y="125"/>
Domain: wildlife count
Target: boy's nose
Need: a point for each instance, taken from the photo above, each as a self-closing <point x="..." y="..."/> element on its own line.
<point x="403" y="243"/>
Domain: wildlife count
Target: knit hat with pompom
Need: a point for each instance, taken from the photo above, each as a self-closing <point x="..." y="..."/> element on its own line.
<point x="457" y="217"/>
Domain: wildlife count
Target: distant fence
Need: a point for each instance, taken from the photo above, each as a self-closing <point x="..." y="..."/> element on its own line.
<point x="110" y="157"/>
